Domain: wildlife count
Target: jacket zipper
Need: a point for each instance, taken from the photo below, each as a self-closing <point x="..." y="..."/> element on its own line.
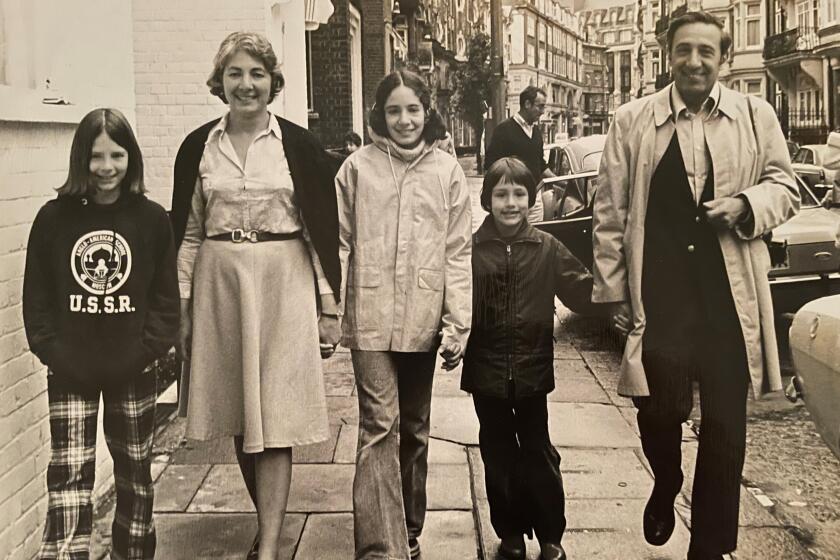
<point x="510" y="322"/>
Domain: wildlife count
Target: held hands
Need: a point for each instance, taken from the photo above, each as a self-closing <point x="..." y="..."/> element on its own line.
<point x="621" y="317"/>
<point x="451" y="353"/>
<point x="725" y="213"/>
<point x="184" y="343"/>
<point x="329" y="333"/>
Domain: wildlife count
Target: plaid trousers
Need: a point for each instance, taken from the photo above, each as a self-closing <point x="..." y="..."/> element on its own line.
<point x="129" y="422"/>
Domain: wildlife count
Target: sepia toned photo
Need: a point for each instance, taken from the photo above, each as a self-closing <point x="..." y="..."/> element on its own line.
<point x="420" y="279"/>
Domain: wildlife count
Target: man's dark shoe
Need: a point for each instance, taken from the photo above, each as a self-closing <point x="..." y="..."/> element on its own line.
<point x="512" y="548"/>
<point x="658" y="521"/>
<point x="413" y="547"/>
<point x="255" y="549"/>
<point x="552" y="551"/>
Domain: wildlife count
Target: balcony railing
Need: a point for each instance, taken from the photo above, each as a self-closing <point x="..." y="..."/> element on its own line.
<point x="798" y="39"/>
<point x="663" y="80"/>
<point x="805" y="127"/>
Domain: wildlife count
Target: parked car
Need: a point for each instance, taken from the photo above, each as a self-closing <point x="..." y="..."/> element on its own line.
<point x="579" y="155"/>
<point x="808" y="164"/>
<point x="814" y="337"/>
<point x="805" y="261"/>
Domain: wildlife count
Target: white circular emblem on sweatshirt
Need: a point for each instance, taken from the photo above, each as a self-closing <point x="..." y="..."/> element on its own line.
<point x="101" y="261"/>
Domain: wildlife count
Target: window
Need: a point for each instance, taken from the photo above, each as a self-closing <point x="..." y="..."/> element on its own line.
<point x="609" y="38"/>
<point x="532" y="30"/>
<point x="754" y="87"/>
<point x="517" y="39"/>
<point x="655" y="62"/>
<point x="803" y="15"/>
<point x="625" y="36"/>
<point x="531" y="55"/>
<point x="753" y="25"/>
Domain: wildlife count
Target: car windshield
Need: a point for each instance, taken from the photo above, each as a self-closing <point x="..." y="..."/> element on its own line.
<point x="591" y="161"/>
<point x="808" y="198"/>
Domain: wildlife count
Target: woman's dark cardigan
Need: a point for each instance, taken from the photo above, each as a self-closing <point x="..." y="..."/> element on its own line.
<point x="313" y="175"/>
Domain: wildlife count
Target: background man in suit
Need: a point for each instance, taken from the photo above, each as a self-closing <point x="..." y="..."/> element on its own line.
<point x="520" y="137"/>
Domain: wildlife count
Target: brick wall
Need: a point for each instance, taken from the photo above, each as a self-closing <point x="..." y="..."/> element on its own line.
<point x="33" y="158"/>
<point x="174" y="46"/>
<point x="331" y="79"/>
<point x="375" y="58"/>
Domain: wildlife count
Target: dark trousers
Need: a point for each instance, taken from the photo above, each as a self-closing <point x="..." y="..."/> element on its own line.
<point x="521" y="468"/>
<point x="719" y="364"/>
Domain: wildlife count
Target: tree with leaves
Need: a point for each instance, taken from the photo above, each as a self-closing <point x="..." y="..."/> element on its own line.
<point x="471" y="87"/>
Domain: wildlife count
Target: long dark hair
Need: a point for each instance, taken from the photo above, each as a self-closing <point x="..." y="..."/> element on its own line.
<point x="115" y="125"/>
<point x="434" y="128"/>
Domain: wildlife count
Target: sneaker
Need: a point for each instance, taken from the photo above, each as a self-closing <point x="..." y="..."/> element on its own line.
<point x="413" y="547"/>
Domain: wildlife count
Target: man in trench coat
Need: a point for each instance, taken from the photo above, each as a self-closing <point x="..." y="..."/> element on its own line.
<point x="691" y="178"/>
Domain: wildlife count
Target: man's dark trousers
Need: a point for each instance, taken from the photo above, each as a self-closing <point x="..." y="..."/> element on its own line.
<point x="692" y="333"/>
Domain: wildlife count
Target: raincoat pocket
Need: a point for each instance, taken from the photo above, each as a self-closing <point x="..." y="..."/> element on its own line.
<point x="429" y="279"/>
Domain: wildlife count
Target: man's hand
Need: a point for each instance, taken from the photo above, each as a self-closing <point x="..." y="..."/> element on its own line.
<point x="725" y="213"/>
<point x="451" y="354"/>
<point x="621" y="317"/>
<point x="329" y="333"/>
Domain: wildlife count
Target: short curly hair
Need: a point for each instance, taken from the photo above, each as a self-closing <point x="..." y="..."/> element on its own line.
<point x="253" y="44"/>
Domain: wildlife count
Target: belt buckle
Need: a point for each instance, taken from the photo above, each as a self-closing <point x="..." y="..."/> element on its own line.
<point x="237" y="235"/>
<point x="253" y="236"/>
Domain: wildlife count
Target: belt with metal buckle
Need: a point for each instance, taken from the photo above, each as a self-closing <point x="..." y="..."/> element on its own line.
<point x="254" y="236"/>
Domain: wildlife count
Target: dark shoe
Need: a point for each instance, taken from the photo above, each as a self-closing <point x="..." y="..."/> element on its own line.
<point x="658" y="521"/>
<point x="255" y="549"/>
<point x="512" y="548"/>
<point x="413" y="548"/>
<point x="552" y="551"/>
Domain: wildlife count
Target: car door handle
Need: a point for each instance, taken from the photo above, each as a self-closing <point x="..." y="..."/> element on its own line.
<point x="822" y="255"/>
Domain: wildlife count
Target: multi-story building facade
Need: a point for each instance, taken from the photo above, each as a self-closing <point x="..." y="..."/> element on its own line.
<point x="614" y="23"/>
<point x="802" y="54"/>
<point x="543" y="48"/>
<point x="829" y="48"/>
<point x="595" y="92"/>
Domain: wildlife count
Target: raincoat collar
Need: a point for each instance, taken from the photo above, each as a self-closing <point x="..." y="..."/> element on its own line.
<point x="663" y="110"/>
<point x="394" y="150"/>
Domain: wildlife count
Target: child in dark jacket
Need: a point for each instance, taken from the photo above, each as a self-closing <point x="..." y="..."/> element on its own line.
<point x="100" y="304"/>
<point x="509" y="362"/>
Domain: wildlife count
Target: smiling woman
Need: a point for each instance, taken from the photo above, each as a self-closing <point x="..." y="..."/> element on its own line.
<point x="253" y="313"/>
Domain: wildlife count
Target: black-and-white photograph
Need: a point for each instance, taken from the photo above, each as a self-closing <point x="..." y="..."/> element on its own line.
<point x="420" y="279"/>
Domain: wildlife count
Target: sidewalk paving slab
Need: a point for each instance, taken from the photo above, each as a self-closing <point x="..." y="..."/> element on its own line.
<point x="588" y="425"/>
<point x="321" y="488"/>
<point x="223" y="491"/>
<point x="177" y="486"/>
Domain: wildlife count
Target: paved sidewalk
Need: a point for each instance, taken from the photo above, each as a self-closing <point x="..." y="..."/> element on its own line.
<point x="203" y="510"/>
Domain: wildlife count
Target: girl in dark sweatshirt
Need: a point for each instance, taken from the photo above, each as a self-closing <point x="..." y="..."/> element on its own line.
<point x="100" y="304"/>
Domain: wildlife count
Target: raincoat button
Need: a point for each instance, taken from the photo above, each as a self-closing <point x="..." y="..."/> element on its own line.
<point x="691" y="248"/>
